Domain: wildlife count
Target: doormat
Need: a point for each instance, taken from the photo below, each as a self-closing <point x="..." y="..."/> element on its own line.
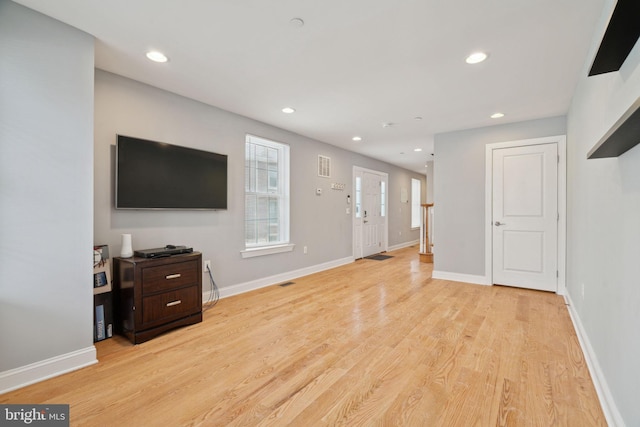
<point x="379" y="257"/>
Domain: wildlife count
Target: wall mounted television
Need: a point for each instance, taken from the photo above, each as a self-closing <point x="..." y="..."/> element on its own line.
<point x="156" y="175"/>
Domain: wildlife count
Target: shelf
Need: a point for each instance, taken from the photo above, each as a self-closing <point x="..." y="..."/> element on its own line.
<point x="623" y="135"/>
<point x="619" y="38"/>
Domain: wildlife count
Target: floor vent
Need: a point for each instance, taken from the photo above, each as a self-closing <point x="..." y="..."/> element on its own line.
<point x="286" y="284"/>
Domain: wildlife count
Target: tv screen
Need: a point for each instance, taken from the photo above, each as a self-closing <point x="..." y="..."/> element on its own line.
<point x="156" y="175"/>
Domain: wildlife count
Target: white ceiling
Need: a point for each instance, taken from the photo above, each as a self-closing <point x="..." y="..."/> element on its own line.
<point x="354" y="65"/>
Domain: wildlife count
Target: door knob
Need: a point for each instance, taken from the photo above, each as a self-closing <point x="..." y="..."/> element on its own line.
<point x="498" y="223"/>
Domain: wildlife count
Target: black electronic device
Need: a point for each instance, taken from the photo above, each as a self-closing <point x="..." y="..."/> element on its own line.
<point x="156" y="175"/>
<point x="163" y="252"/>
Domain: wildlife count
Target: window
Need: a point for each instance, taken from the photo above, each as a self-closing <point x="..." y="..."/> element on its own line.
<point x="358" y="197"/>
<point x="266" y="197"/>
<point x="415" y="203"/>
<point x="383" y="199"/>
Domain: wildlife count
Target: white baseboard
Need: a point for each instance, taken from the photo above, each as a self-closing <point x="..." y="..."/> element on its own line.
<point x="611" y="413"/>
<point x="403" y="245"/>
<point x="39" y="371"/>
<point x="241" y="288"/>
<point x="459" y="277"/>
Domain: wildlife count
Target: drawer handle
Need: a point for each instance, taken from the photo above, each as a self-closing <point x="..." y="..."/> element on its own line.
<point x="172" y="303"/>
<point x="172" y="276"/>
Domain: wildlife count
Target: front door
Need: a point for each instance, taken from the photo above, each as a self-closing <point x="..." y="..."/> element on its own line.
<point x="525" y="216"/>
<point x="370" y="225"/>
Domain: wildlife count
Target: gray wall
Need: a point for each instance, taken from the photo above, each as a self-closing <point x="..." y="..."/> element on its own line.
<point x="459" y="193"/>
<point x="604" y="228"/>
<point x="123" y="106"/>
<point x="46" y="194"/>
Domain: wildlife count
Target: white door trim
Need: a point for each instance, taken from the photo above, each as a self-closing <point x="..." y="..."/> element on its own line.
<point x="354" y="220"/>
<point x="561" y="140"/>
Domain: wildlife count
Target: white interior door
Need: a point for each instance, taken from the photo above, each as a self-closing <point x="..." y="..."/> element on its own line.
<point x="525" y="216"/>
<point x="370" y="225"/>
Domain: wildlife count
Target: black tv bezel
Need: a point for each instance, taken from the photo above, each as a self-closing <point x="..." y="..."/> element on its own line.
<point x="199" y="152"/>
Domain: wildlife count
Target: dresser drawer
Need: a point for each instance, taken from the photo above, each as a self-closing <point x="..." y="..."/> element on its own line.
<point x="171" y="276"/>
<point x="155" y="295"/>
<point x="170" y="305"/>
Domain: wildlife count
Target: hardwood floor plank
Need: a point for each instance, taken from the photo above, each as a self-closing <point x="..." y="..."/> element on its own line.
<point x="369" y="343"/>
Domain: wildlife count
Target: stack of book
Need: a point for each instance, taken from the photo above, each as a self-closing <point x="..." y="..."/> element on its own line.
<point x="102" y="295"/>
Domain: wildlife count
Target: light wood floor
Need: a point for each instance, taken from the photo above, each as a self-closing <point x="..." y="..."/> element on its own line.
<point x="370" y="343"/>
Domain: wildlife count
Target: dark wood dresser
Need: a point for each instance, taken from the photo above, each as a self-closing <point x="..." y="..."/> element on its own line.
<point x="155" y="295"/>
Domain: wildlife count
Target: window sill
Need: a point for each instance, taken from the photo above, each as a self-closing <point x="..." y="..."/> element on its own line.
<point x="267" y="250"/>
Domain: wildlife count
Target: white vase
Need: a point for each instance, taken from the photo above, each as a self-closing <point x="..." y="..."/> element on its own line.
<point x="127" y="250"/>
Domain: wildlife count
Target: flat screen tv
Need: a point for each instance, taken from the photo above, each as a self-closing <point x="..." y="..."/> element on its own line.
<point x="156" y="175"/>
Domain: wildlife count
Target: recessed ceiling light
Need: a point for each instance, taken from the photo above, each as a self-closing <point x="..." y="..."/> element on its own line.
<point x="288" y="110"/>
<point x="357" y="138"/>
<point x="497" y="115"/>
<point x="417" y="150"/>
<point x="476" y="58"/>
<point x="388" y="125"/>
<point x="417" y="118"/>
<point x="296" y="22"/>
<point x="156" y="56"/>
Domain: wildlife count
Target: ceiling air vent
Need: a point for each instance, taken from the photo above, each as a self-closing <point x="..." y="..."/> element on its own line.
<point x="324" y="166"/>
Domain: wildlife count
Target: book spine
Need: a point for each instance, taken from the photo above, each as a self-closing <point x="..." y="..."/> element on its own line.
<point x="100" y="327"/>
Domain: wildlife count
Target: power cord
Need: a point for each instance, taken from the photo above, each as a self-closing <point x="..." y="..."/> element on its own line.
<point x="214" y="295"/>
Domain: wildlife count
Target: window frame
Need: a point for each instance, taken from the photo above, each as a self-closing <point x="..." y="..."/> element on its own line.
<point x="416" y="205"/>
<point x="282" y="244"/>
